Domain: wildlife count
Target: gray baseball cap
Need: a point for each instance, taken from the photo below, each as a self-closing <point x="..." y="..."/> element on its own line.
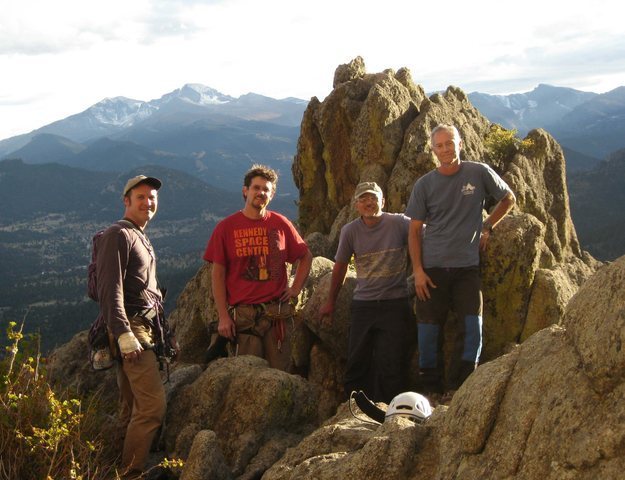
<point x="134" y="181"/>
<point x="367" y="187"/>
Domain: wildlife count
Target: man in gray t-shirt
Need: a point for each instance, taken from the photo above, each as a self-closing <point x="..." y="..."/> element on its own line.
<point x="446" y="235"/>
<point x="381" y="315"/>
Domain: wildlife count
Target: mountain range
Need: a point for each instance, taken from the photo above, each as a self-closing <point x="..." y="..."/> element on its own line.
<point x="595" y="197"/>
<point x="589" y="126"/>
<point x="60" y="183"/>
<point x="195" y="129"/>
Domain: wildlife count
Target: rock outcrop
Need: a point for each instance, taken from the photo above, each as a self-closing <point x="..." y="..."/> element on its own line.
<point x="256" y="413"/>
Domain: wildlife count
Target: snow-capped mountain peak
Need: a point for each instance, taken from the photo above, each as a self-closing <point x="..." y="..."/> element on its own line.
<point x="196" y="94"/>
<point x="120" y="111"/>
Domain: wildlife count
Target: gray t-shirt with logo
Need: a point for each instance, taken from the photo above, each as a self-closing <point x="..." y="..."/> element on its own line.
<point x="380" y="254"/>
<point x="451" y="208"/>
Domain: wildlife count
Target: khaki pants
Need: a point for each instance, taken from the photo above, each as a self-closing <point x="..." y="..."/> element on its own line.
<point x="142" y="405"/>
<point x="258" y="333"/>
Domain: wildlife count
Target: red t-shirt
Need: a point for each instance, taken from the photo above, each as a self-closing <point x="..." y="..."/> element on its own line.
<point x="254" y="253"/>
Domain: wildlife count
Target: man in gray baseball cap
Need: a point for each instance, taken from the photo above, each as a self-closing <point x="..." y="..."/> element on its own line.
<point x="381" y="314"/>
<point x="131" y="301"/>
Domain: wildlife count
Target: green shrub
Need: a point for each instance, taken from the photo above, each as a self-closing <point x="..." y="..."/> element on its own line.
<point x="42" y="435"/>
<point x="502" y="144"/>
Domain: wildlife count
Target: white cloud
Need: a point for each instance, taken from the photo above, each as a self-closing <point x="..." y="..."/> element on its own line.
<point x="58" y="58"/>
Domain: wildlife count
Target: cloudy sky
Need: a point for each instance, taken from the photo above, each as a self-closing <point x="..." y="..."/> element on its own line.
<point x="58" y="57"/>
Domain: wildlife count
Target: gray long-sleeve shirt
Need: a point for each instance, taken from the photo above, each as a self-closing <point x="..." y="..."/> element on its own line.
<point x="126" y="275"/>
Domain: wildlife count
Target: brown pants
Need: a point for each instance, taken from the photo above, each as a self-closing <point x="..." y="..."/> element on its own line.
<point x="142" y="404"/>
<point x="259" y="331"/>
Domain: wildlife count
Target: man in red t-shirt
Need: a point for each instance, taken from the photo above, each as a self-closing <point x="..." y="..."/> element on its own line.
<point x="249" y="251"/>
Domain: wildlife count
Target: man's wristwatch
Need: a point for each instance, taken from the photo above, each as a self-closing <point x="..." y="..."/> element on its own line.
<point x="487" y="227"/>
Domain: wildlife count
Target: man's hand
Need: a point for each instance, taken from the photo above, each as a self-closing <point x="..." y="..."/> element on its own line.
<point x="326" y="313"/>
<point x="133" y="356"/>
<point x="288" y="294"/>
<point x="226" y="327"/>
<point x="129" y="347"/>
<point x="421" y="283"/>
<point x="484" y="237"/>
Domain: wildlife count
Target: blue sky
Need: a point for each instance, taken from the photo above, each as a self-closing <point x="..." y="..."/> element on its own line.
<point x="59" y="57"/>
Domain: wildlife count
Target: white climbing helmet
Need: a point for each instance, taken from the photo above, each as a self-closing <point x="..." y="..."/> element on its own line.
<point x="410" y="405"/>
